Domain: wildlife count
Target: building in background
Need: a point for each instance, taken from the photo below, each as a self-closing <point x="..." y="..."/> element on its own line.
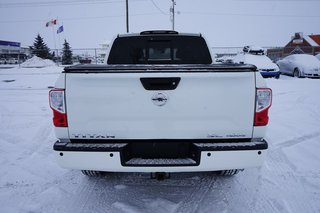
<point x="299" y="44"/>
<point x="12" y="53"/>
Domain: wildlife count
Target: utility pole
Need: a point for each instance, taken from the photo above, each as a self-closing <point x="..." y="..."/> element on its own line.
<point x="172" y="12"/>
<point x="127" y="15"/>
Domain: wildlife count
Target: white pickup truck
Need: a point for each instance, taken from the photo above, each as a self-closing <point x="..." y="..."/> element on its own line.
<point x="159" y="105"/>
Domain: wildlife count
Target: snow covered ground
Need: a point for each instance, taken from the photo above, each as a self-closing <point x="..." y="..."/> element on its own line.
<point x="31" y="181"/>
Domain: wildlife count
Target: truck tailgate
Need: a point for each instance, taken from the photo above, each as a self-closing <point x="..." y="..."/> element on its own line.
<point x="118" y="106"/>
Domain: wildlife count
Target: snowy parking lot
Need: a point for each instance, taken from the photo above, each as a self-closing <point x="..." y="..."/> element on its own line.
<point x="31" y="181"/>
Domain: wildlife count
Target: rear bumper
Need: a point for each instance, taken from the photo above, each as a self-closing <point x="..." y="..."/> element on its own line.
<point x="205" y="157"/>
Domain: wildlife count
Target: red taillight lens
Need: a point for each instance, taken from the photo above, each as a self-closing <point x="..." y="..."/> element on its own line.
<point x="59" y="119"/>
<point x="57" y="104"/>
<point x="263" y="103"/>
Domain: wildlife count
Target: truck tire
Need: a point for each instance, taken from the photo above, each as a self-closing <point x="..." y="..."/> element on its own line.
<point x="92" y="173"/>
<point x="230" y="172"/>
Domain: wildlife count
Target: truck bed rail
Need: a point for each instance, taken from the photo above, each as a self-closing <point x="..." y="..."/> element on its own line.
<point x="99" y="68"/>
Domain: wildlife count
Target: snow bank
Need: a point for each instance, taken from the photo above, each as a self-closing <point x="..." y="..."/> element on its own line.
<point x="36" y="62"/>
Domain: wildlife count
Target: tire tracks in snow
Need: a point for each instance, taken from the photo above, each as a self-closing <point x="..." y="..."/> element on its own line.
<point x="4" y="118"/>
<point x="192" y="202"/>
<point x="296" y="140"/>
<point x="139" y="193"/>
<point x="279" y="175"/>
<point x="78" y="204"/>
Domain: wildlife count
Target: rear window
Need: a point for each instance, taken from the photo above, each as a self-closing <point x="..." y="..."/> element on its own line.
<point x="159" y="50"/>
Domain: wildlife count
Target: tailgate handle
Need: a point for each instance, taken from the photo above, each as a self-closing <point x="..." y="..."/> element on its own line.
<point x="160" y="83"/>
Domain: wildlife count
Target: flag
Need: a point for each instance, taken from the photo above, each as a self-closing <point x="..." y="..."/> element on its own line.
<point x="60" y="29"/>
<point x="52" y="22"/>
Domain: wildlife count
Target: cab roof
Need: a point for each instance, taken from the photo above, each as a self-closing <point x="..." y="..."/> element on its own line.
<point x="158" y="32"/>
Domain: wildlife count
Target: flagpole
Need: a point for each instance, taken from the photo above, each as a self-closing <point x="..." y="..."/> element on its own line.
<point x="60" y="46"/>
<point x="59" y="31"/>
<point x="59" y="37"/>
<point x="54" y="38"/>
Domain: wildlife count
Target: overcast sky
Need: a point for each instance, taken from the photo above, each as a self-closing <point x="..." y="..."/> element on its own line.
<point x="88" y="23"/>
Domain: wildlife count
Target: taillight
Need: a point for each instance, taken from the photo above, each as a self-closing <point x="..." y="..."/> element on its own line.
<point x="263" y="103"/>
<point x="57" y="104"/>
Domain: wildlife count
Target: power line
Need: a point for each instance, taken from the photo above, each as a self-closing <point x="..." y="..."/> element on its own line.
<point x="156" y="6"/>
<point x="58" y="3"/>
<point x="251" y="15"/>
<point x="77" y="18"/>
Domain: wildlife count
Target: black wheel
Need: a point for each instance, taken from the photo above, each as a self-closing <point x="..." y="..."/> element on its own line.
<point x="230" y="172"/>
<point x="296" y="73"/>
<point x="277" y="76"/>
<point x="92" y="173"/>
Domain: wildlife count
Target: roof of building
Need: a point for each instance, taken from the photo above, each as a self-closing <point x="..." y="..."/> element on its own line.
<point x="315" y="38"/>
<point x="9" y="43"/>
<point x="311" y="41"/>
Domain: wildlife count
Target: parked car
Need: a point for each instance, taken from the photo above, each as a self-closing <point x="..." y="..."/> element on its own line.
<point x="300" y="65"/>
<point x="256" y="56"/>
<point x="224" y="60"/>
<point x="253" y="50"/>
